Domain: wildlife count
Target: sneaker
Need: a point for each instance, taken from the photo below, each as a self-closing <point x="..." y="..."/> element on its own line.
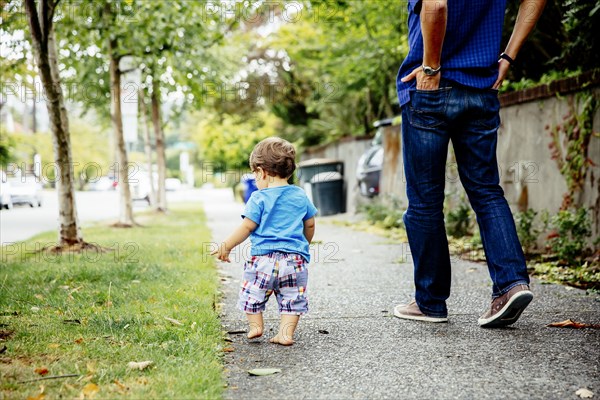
<point x="507" y="309"/>
<point x="412" y="311"/>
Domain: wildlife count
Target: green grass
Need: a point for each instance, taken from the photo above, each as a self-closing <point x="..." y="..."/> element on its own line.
<point x="117" y="302"/>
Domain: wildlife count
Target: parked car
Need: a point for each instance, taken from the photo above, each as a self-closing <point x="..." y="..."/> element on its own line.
<point x="103" y="183"/>
<point x="368" y="171"/>
<point x="172" y="184"/>
<point x="5" y="190"/>
<point x="26" y="191"/>
<point x="140" y="186"/>
<point x="370" y="164"/>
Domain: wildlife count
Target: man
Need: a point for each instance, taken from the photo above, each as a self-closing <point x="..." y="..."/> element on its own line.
<point x="447" y="87"/>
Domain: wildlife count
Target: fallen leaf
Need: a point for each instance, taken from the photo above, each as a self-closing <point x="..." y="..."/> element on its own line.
<point x="585" y="393"/>
<point x="54" y="345"/>
<point x="228" y="350"/>
<point x="40" y="396"/>
<point x="39" y="296"/>
<point x="41" y="371"/>
<point x="90" y="390"/>
<point x="120" y="385"/>
<point x="264" y="371"/>
<point x="569" y="323"/>
<point x="174" y="321"/>
<point x="139" y="365"/>
<point x="79" y="341"/>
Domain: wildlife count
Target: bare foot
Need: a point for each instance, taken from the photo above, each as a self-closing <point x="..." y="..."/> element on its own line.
<point x="254" y="332"/>
<point x="284" y="341"/>
<point x="255" y="325"/>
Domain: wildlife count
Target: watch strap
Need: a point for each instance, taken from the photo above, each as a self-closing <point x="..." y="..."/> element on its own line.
<point x="508" y="58"/>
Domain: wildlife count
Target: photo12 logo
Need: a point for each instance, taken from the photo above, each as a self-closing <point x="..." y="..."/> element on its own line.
<point x="126" y="252"/>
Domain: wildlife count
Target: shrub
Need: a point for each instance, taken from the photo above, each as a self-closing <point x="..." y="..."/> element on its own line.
<point x="527" y="230"/>
<point x="458" y="220"/>
<point x="571" y="229"/>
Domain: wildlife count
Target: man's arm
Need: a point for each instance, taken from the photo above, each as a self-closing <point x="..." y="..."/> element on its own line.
<point x="434" y="15"/>
<point x="238" y="236"/>
<point x="529" y="13"/>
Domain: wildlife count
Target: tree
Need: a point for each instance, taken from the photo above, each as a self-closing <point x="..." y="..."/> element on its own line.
<point x="115" y="55"/>
<point x="40" y="18"/>
<point x="147" y="144"/>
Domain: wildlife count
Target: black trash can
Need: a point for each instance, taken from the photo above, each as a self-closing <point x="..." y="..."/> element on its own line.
<point x="309" y="168"/>
<point x="327" y="189"/>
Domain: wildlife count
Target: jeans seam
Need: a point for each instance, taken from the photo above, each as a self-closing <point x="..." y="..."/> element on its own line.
<point x="504" y="291"/>
<point x="430" y="313"/>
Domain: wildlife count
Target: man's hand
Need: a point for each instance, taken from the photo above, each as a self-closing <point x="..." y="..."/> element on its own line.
<point x="503" y="67"/>
<point x="222" y="253"/>
<point x="424" y="82"/>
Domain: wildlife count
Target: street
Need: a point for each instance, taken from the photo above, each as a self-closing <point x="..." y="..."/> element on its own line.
<point x="22" y="222"/>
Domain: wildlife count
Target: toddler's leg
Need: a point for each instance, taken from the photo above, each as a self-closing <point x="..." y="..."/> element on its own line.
<point x="287" y="327"/>
<point x="255" y="325"/>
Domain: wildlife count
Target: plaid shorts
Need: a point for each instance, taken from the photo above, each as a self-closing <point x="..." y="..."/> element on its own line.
<point x="286" y="274"/>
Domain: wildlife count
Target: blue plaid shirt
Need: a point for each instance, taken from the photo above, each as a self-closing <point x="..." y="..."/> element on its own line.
<point x="471" y="45"/>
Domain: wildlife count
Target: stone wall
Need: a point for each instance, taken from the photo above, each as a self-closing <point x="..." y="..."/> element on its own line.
<point x="529" y="175"/>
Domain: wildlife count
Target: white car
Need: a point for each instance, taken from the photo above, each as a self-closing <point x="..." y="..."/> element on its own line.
<point x="172" y="184"/>
<point x="26" y="191"/>
<point x="5" y="190"/>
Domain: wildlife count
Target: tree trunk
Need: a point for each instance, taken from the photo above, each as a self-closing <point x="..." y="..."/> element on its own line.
<point x="125" y="203"/>
<point x="44" y="49"/>
<point x="147" y="145"/>
<point x="160" y="146"/>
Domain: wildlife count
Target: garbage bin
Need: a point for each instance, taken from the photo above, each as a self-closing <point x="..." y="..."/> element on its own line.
<point x="309" y="168"/>
<point x="327" y="190"/>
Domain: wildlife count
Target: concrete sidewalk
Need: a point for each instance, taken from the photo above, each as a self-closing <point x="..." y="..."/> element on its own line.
<point x="350" y="345"/>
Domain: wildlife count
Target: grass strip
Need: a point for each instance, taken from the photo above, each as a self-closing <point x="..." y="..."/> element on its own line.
<point x="91" y="314"/>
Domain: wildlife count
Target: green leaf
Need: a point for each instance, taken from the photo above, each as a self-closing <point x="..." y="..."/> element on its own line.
<point x="264" y="371"/>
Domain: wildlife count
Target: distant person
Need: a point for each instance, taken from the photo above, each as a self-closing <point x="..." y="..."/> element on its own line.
<point x="248" y="186"/>
<point x="279" y="219"/>
<point x="447" y="88"/>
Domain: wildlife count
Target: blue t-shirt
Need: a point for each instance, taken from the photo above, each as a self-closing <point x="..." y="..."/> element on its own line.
<point x="280" y="213"/>
<point x="471" y="45"/>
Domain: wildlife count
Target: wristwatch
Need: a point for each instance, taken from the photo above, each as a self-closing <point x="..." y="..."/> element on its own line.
<point x="431" y="71"/>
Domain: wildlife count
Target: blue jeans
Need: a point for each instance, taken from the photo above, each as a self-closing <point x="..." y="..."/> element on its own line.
<point x="470" y="118"/>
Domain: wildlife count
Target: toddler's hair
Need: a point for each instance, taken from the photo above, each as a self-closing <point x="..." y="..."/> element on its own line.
<point x="275" y="155"/>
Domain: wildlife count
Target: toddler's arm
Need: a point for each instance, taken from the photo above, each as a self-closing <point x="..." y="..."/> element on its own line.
<point x="238" y="236"/>
<point x="309" y="229"/>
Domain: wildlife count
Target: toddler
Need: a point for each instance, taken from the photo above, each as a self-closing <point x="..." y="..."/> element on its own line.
<point x="279" y="219"/>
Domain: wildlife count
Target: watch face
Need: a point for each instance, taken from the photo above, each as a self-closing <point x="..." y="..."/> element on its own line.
<point x="430" y="71"/>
